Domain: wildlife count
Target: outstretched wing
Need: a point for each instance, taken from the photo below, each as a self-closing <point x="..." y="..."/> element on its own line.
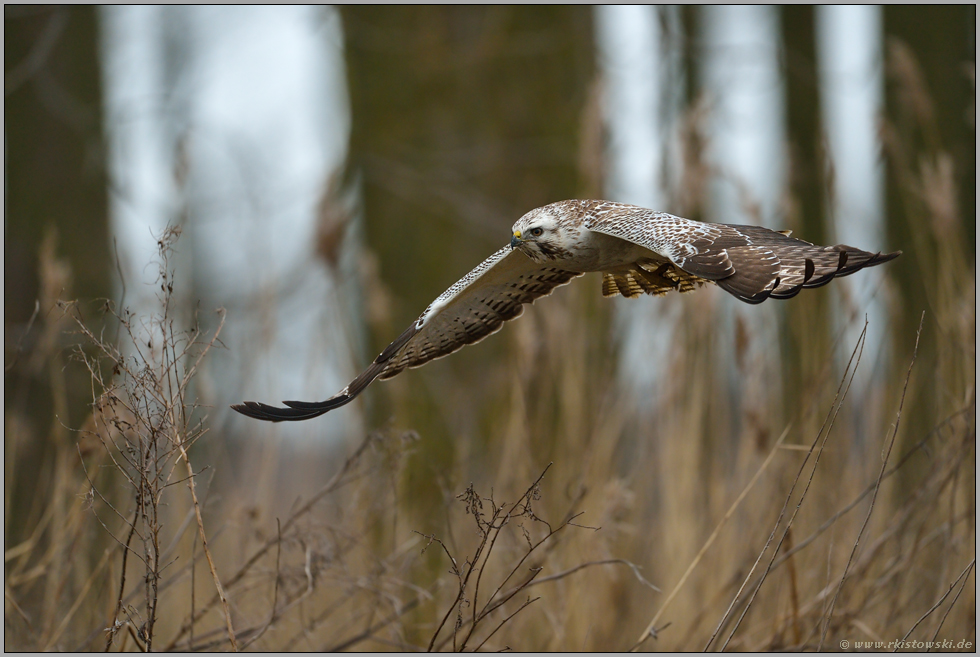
<point x="473" y="308"/>
<point x="750" y="262"/>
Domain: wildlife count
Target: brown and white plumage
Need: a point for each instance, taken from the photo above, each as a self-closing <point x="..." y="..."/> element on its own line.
<point x="639" y="251"/>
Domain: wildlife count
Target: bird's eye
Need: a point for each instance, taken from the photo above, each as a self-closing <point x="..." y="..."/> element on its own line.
<point x="535" y="232"/>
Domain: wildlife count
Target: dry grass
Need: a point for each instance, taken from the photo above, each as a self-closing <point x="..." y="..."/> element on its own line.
<point x="857" y="523"/>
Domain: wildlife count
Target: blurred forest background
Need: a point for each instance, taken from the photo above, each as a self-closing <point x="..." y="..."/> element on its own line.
<point x="322" y="174"/>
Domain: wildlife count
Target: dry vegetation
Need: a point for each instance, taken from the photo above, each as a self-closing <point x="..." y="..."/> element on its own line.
<point x="756" y="522"/>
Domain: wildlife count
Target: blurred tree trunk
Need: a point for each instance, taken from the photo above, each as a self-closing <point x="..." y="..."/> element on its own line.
<point x="54" y="169"/>
<point x="55" y="221"/>
<point x="806" y="180"/>
<point x="929" y="139"/>
<point x="807" y="340"/>
<point x="930" y="109"/>
<point x="464" y="118"/>
<point x="936" y="36"/>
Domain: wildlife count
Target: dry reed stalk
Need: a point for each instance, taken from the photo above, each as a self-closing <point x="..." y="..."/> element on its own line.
<point x="874" y="495"/>
<point x="845" y="384"/>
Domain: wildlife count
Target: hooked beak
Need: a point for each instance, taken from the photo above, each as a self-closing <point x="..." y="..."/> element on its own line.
<point x="515" y="240"/>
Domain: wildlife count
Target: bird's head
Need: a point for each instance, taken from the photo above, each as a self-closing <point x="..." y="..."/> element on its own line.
<point x="540" y="235"/>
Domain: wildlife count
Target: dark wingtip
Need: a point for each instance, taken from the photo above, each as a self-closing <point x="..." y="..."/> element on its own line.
<point x="260" y="411"/>
<point x="297" y="410"/>
<point x="253" y="410"/>
<point x="808" y="270"/>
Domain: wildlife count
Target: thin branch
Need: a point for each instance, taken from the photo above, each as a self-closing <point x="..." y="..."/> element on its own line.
<point x="114" y="624"/>
<point x="551" y="532"/>
<point x="504" y="621"/>
<point x="204" y="538"/>
<point x="824" y="431"/>
<point x="366" y="634"/>
<point x="867" y="491"/>
<point x="962" y="576"/>
<point x="274" y="613"/>
<point x="874" y="496"/>
<point x="604" y="562"/>
<point x="333" y="484"/>
<point x="497" y="521"/>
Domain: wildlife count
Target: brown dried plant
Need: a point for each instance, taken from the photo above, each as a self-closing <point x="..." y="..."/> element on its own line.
<point x="146" y="420"/>
<point x="491" y="519"/>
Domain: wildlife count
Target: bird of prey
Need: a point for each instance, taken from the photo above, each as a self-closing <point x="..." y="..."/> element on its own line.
<point x="638" y="251"/>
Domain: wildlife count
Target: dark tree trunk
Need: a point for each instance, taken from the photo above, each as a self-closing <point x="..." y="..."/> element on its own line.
<point x="464" y="118"/>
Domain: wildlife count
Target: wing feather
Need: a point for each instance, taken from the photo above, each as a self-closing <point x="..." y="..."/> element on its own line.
<point x="474" y="307"/>
<point x="750" y="262"/>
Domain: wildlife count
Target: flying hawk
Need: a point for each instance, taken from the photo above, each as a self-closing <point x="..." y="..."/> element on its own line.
<point x="638" y="251"/>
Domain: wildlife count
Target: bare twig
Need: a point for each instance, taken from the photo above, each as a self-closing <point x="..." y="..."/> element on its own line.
<point x="964" y="575"/>
<point x="874" y="496"/>
<point x="113" y="623"/>
<point x="604" y="562"/>
<point x="274" y="612"/>
<point x="824" y="431"/>
<point x="490" y="530"/>
<point x="337" y="481"/>
<point x="196" y="505"/>
<point x="504" y="621"/>
<point x="207" y="552"/>
<point x="366" y="634"/>
<point x="857" y="500"/>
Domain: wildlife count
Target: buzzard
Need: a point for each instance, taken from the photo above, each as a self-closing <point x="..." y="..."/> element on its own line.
<point x="638" y="251"/>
